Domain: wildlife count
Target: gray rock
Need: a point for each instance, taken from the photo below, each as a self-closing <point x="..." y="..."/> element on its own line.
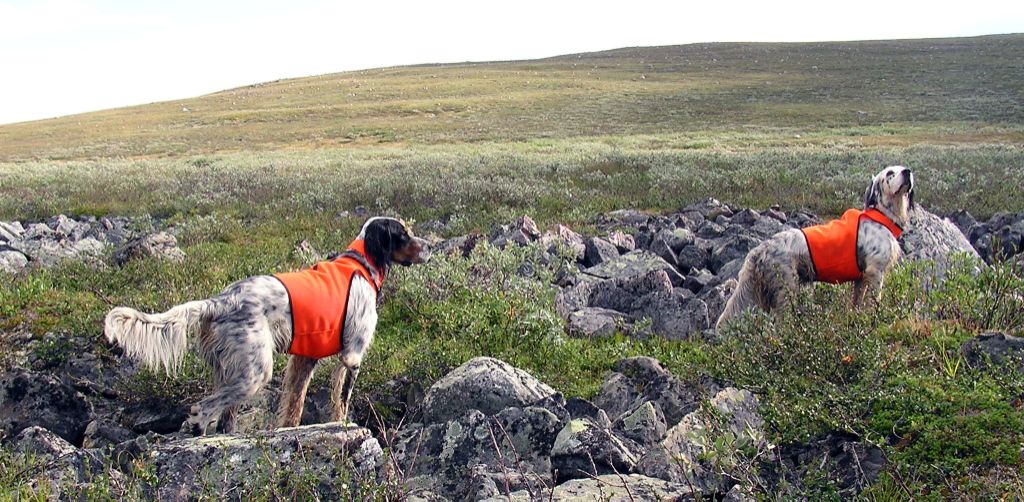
<point x="30" y="398"/>
<point x="573" y="298"/>
<point x="633" y="264"/>
<point x="727" y="249"/>
<point x="160" y="245"/>
<point x="459" y="456"/>
<point x="625" y="217"/>
<point x="521" y="232"/>
<point x="623" y="242"/>
<point x="39" y="231"/>
<point x="937" y="240"/>
<point x="462" y="245"/>
<point x="625" y="294"/>
<point x="993" y="348"/>
<point x="584" y="448"/>
<point x="66" y="227"/>
<point x="716" y="298"/>
<point x="681" y="453"/>
<point x="598" y="251"/>
<point x="645" y="424"/>
<point x="674" y="315"/>
<point x="12" y="262"/>
<point x="594" y="322"/>
<point x="610" y="488"/>
<point x="698" y="280"/>
<point x="731" y="270"/>
<point x="693" y="257"/>
<point x="561" y="236"/>
<point x="11" y="231"/>
<point x="225" y="463"/>
<point x="641" y="379"/>
<point x="101" y="433"/>
<point x="66" y="469"/>
<point x="482" y="383"/>
<point x="660" y="247"/>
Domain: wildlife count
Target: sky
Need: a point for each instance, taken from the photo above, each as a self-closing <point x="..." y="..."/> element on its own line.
<point x="60" y="57"/>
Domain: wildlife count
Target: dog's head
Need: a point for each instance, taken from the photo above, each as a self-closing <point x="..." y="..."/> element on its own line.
<point x="389" y="240"/>
<point x="892" y="191"/>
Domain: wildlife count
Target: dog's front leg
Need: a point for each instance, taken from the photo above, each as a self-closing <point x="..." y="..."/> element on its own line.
<point x="293" y="392"/>
<point x="858" y="294"/>
<point x="870" y="287"/>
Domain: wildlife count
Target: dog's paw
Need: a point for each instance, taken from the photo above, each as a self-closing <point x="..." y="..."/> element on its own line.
<point x="191" y="429"/>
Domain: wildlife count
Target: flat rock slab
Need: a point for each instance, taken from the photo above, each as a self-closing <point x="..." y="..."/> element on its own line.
<point x="333" y="456"/>
<point x="609" y="487"/>
<point x="634" y="263"/>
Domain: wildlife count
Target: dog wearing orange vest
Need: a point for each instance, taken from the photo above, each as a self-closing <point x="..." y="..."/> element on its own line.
<point x="861" y="247"/>
<point x="329" y="309"/>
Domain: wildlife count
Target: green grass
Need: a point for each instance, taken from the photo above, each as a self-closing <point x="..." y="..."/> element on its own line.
<point x="974" y="85"/>
<point x="249" y="172"/>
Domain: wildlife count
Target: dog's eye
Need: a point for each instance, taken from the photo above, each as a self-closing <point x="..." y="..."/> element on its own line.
<point x="889" y="174"/>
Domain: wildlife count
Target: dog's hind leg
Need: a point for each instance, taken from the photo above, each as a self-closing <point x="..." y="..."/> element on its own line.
<point x="226" y="422"/>
<point x="343" y="381"/>
<point x="245" y="355"/>
<point x="293" y="390"/>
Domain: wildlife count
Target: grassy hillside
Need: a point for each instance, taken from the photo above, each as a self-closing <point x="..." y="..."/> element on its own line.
<point x="246" y="173"/>
<point x="948" y="90"/>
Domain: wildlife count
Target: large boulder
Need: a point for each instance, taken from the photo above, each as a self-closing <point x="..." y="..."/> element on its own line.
<point x="65" y="469"/>
<point x="637" y="380"/>
<point x="595" y="322"/>
<point x="584" y="448"/>
<point x="12" y="261"/>
<point x="634" y="263"/>
<point x="470" y="456"/>
<point x="160" y="245"/>
<point x="683" y="454"/>
<point x="598" y="251"/>
<point x="334" y="457"/>
<point x="674" y="315"/>
<point x="482" y="383"/>
<point x="936" y="240"/>
<point x="29" y="398"/>
<point x="564" y="239"/>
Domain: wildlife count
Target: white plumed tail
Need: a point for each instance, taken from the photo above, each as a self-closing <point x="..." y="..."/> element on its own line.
<point x="158" y="340"/>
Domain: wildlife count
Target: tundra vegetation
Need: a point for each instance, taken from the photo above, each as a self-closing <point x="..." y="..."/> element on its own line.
<point x="246" y="173"/>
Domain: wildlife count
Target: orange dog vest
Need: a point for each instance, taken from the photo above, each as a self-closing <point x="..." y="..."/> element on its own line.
<point x="319" y="297"/>
<point x="833" y="246"/>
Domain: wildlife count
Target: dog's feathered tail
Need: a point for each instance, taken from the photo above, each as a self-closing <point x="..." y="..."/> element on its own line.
<point x="158" y="340"/>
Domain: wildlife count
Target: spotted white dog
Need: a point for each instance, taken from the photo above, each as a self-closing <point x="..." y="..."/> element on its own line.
<point x="240" y="329"/>
<point x="860" y="247"/>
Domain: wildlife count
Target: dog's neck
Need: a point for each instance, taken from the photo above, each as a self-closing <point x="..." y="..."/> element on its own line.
<point x="896" y="209"/>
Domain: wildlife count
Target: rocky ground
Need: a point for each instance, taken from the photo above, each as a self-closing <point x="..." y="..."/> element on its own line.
<point x="486" y="430"/>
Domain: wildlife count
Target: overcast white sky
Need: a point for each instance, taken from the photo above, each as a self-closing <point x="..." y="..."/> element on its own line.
<point x="59" y="57"/>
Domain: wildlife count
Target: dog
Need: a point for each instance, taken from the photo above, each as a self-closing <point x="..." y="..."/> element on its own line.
<point x="328" y="309"/>
<point x="860" y="247"/>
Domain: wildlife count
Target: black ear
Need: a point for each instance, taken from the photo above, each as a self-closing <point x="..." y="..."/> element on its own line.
<point x="911" y="194"/>
<point x="378" y="239"/>
<point x="871" y="195"/>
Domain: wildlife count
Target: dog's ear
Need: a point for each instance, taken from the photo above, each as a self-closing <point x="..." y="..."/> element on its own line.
<point x="378" y="239"/>
<point x="872" y="193"/>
